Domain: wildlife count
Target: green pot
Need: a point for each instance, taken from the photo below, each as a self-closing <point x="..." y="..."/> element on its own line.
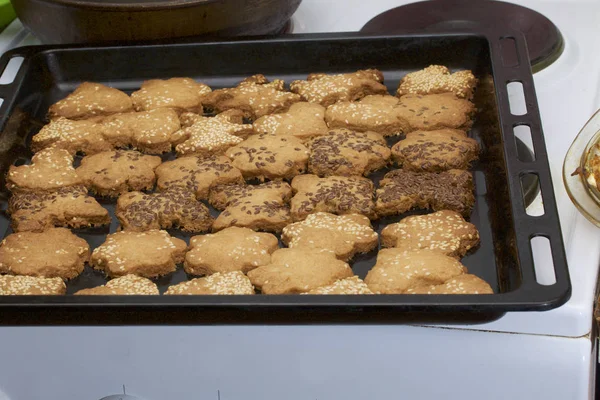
<point x="7" y="13"/>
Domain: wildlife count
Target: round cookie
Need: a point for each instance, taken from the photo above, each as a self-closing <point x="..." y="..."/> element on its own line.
<point x="230" y="283"/>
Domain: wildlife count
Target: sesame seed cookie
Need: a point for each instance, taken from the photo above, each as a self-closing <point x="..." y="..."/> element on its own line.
<point x="303" y="120"/>
<point x="335" y="194"/>
<point x="232" y="249"/>
<point x="91" y="100"/>
<point x="84" y="136"/>
<point x="174" y="208"/>
<point x="462" y="284"/>
<point x="255" y="96"/>
<point x="329" y="89"/>
<point x="269" y="157"/>
<point x="261" y="207"/>
<point x="231" y="283"/>
<point x="71" y="207"/>
<point x="375" y="113"/>
<point x="401" y="190"/>
<point x="148" y="131"/>
<point x="438" y="79"/>
<point x="435" y="151"/>
<point x="396" y="270"/>
<point x="54" y="253"/>
<point x="298" y="271"/>
<point x="345" y="235"/>
<point x="435" y="111"/>
<point x="344" y="152"/>
<point x="125" y="285"/>
<point x="178" y="94"/>
<point x="197" y="174"/>
<point x="353" y="285"/>
<point x="11" y="285"/>
<point x="112" y="173"/>
<point x="50" y="169"/>
<point x="444" y="231"/>
<point x="149" y="254"/>
<point x="210" y="136"/>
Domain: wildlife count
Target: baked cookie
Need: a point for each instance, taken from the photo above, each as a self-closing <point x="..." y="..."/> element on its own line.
<point x="435" y="151"/>
<point x="347" y="153"/>
<point x="115" y="172"/>
<point x="84" y="136"/>
<point x="232" y="283"/>
<point x="353" y="285"/>
<point x="210" y="136"/>
<point x="197" y="174"/>
<point x="179" y="94"/>
<point x="335" y="194"/>
<point x="303" y="120"/>
<point x="149" y="254"/>
<point x="269" y="157"/>
<point x="71" y="207"/>
<point x="375" y="113"/>
<point x="435" y="111"/>
<point x="329" y="89"/>
<point x="176" y="208"/>
<point x="345" y="235"/>
<point x="462" y="284"/>
<point x="444" y="231"/>
<point x="91" y="100"/>
<point x="396" y="271"/>
<point x="31" y="285"/>
<point x="232" y="249"/>
<point x="438" y="79"/>
<point x="50" y="169"/>
<point x="54" y="253"/>
<point x="401" y="190"/>
<point x="125" y="285"/>
<point x="148" y="131"/>
<point x="255" y="96"/>
<point x="258" y="207"/>
<point x="298" y="271"/>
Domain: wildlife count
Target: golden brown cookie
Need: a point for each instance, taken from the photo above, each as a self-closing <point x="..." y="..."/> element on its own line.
<point x="343" y="152"/>
<point x="438" y="79"/>
<point x="149" y="254"/>
<point x="435" y="151"/>
<point x="175" y="208"/>
<point x="353" y="285"/>
<point x="462" y="284"/>
<point x="71" y="207"/>
<point x="258" y="207"/>
<point x="303" y="120"/>
<point x="125" y="285"/>
<point x="345" y="235"/>
<point x="31" y="285"/>
<point x="50" y="169"/>
<point x="91" y="100"/>
<point x="112" y="173"/>
<point x="444" y="231"/>
<point x="335" y="194"/>
<point x="211" y="136"/>
<point x="231" y="283"/>
<point x="197" y="174"/>
<point x="329" y="89"/>
<point x="298" y="271"/>
<point x="54" y="253"/>
<point x="435" y="111"/>
<point x="83" y="136"/>
<point x="375" y="113"/>
<point x="396" y="271"/>
<point x="269" y="157"/>
<point x="232" y="249"/>
<point x="401" y="190"/>
<point x="179" y="94"/>
<point x="255" y="96"/>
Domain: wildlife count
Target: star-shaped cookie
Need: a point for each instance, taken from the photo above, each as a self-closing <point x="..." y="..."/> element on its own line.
<point x="83" y="136"/>
<point x="178" y="94"/>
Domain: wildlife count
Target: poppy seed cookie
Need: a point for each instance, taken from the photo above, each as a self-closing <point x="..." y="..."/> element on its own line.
<point x="50" y="169"/>
<point x="178" y="94"/>
<point x="91" y="100"/>
<point x="435" y="111"/>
